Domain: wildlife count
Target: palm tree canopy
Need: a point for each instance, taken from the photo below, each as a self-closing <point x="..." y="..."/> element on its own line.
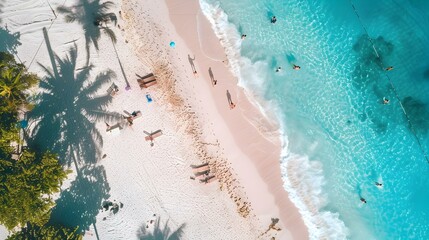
<point x="14" y="83"/>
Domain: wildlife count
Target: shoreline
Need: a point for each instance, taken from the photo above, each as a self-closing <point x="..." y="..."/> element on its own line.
<point x="270" y="183"/>
<point x="196" y="122"/>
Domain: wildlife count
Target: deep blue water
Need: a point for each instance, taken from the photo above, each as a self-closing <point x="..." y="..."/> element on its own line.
<point x="339" y="136"/>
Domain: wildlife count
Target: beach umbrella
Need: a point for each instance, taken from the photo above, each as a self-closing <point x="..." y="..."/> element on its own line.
<point x="172" y="44"/>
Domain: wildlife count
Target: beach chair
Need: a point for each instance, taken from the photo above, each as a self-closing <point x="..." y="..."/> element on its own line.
<point x="147" y="81"/>
<point x="153" y="135"/>
<point x="114" y="130"/>
<point x="201" y="169"/>
<point x="113" y="90"/>
<point x="198" y="166"/>
<point x="208" y="179"/>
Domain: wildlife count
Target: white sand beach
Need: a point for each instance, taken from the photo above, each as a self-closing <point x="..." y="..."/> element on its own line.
<point x="241" y="147"/>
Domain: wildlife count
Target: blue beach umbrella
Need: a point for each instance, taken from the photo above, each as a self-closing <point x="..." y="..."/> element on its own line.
<point x="172" y="44"/>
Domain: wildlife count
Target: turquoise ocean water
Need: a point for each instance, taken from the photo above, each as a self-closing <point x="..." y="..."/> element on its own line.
<point x="339" y="137"/>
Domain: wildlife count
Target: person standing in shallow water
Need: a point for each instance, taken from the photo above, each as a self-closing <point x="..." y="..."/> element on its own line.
<point x="362" y="200"/>
<point x="273" y="19"/>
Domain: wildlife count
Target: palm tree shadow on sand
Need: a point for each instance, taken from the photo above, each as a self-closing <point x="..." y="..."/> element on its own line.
<point x="80" y="204"/>
<point x="159" y="232"/>
<point x="66" y="111"/>
<point x="9" y="41"/>
<point x="94" y="18"/>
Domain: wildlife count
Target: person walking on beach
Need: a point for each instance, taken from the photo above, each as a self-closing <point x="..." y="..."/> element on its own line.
<point x="273" y="19"/>
<point x="228" y="96"/>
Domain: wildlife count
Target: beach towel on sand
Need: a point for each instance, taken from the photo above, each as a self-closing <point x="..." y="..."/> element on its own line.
<point x="148" y="97"/>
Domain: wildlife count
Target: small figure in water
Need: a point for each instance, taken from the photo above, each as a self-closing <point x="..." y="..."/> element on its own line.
<point x="378" y="184"/>
<point x="362" y="200"/>
<point x="296" y="67"/>
<point x="385" y="100"/>
<point x="389" y="68"/>
<point x="278" y="69"/>
<point x="243" y="36"/>
<point x="273" y="19"/>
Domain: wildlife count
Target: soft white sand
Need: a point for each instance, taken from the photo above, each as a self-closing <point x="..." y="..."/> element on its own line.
<point x="195" y="118"/>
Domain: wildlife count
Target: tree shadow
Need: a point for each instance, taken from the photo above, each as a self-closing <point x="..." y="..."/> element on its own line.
<point x="9" y="41"/>
<point x="67" y="108"/>
<point x="93" y="16"/>
<point x="159" y="232"/>
<point x="80" y="204"/>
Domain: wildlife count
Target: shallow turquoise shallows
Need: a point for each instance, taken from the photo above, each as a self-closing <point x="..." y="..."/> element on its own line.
<point x="340" y="138"/>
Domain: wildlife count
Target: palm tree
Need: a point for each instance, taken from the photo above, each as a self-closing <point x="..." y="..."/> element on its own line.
<point x="67" y="108"/>
<point x="93" y="17"/>
<point x="14" y="83"/>
<point x="160" y="234"/>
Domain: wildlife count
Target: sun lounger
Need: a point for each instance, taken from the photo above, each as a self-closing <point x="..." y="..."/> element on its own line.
<point x="113" y="130"/>
<point x="153" y="135"/>
<point x="198" y="166"/>
<point x="113" y="90"/>
<point x="207" y="179"/>
<point x="147" y="81"/>
<point x="201" y="169"/>
<point x="202" y="173"/>
<point x="136" y="115"/>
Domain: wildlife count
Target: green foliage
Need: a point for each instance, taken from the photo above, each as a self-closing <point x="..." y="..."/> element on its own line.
<point x="8" y="135"/>
<point x="14" y="83"/>
<point x="46" y="232"/>
<point x="26" y="187"/>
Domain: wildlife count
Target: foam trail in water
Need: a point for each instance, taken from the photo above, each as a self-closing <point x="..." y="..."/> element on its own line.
<point x="302" y="178"/>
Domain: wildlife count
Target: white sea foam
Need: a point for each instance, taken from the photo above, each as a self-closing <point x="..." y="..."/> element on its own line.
<point x="240" y="66"/>
<point x="303" y="179"/>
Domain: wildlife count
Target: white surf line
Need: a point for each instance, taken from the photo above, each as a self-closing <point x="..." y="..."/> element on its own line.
<point x="199" y="37"/>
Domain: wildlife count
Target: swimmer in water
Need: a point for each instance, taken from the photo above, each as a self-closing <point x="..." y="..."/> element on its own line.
<point x="362" y="200"/>
<point x="296" y="67"/>
<point x="385" y="101"/>
<point x="378" y="184"/>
